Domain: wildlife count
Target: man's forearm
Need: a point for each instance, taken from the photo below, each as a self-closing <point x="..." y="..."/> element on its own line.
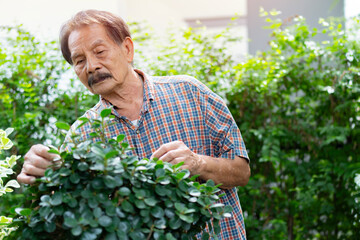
<point x="228" y="172"/>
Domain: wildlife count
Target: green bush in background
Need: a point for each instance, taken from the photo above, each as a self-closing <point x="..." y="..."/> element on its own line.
<point x="296" y="104"/>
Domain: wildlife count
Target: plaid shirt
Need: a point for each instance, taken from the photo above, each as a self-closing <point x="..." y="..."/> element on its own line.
<point x="181" y="108"/>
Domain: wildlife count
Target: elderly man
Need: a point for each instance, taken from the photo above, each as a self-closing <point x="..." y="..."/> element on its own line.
<point x="175" y="118"/>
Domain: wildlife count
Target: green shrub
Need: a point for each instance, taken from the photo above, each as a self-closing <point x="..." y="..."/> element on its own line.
<point x="6" y="166"/>
<point x="99" y="192"/>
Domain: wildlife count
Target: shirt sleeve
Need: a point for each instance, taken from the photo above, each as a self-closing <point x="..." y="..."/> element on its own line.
<point x="224" y="133"/>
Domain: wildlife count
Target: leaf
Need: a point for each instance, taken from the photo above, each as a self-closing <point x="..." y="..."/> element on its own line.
<point x="194" y="177"/>
<point x="62" y="125"/>
<point x="105" y="221"/>
<point x="357" y="180"/>
<point x="56" y="199"/>
<point x="175" y="223"/>
<point x="45" y="198"/>
<point x="97" y="183"/>
<point x="86" y="193"/>
<point x="111" y="236"/>
<point x="186" y="218"/>
<point x="160" y="172"/>
<point x="140" y="204"/>
<point x="70" y="222"/>
<point x="97" y="212"/>
<point x="157" y="212"/>
<point x="169" y="213"/>
<point x="120" y="138"/>
<point x="110" y="181"/>
<point x="94" y="134"/>
<point x="111" y="154"/>
<point x="5" y="221"/>
<point x="124" y="191"/>
<point x="8" y="131"/>
<point x="180" y="207"/>
<point x="217" y="205"/>
<point x="75" y="178"/>
<point x="54" y="151"/>
<point x="50" y="226"/>
<point x="169" y="236"/>
<point x="98" y="150"/>
<point x="137" y="235"/>
<point x="106" y="112"/>
<point x="23" y="211"/>
<point x="76" y="231"/>
<point x="216" y="226"/>
<point x="205" y="236"/>
<point x="83" y="166"/>
<point x="160" y="224"/>
<point x="12" y="183"/>
<point x="150" y="201"/>
<point x="195" y="192"/>
<point x="189" y="210"/>
<point x="64" y="172"/>
<point x="210" y="183"/>
<point x="176" y="166"/>
<point x="127" y="207"/>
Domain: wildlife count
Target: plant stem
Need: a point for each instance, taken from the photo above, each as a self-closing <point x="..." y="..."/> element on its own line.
<point x="150" y="233"/>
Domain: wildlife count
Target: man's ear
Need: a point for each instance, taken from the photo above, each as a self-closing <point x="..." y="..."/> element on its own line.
<point x="128" y="47"/>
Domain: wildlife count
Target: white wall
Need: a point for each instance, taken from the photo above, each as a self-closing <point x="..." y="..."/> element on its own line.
<point x="44" y="17"/>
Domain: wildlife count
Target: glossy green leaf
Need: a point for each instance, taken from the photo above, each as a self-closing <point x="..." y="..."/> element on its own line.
<point x="105" y="221"/>
<point x="111" y="154"/>
<point x="76" y="231"/>
<point x="124" y="191"/>
<point x="56" y="199"/>
<point x="157" y="212"/>
<point x="62" y="125"/>
<point x="23" y="211"/>
<point x="120" y="138"/>
<point x="105" y="113"/>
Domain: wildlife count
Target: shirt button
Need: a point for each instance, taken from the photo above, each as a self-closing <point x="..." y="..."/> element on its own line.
<point x="137" y="131"/>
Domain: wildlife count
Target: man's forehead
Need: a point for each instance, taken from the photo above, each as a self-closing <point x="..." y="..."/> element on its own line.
<point x="87" y="37"/>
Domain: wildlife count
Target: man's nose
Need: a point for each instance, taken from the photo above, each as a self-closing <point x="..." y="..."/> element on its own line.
<point x="92" y="65"/>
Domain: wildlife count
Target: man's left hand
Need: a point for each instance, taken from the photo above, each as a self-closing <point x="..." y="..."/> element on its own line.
<point x="177" y="151"/>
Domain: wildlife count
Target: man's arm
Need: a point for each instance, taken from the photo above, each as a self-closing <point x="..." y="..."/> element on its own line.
<point x="228" y="172"/>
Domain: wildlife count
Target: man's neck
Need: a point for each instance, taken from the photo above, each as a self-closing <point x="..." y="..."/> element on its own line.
<point x="128" y="98"/>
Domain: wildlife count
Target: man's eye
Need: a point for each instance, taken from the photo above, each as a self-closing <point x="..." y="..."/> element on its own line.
<point x="79" y="61"/>
<point x="100" y="52"/>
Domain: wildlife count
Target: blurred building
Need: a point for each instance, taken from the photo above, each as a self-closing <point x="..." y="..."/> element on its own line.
<point x="311" y="10"/>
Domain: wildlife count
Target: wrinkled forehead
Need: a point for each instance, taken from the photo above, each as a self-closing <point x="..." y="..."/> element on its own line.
<point x="89" y="35"/>
<point x="87" y="38"/>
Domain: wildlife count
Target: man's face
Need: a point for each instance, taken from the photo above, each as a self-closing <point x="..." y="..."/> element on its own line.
<point x="101" y="64"/>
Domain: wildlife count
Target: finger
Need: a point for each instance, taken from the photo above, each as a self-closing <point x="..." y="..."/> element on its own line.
<point x="166" y="148"/>
<point x="172" y="155"/>
<point x="43" y="151"/>
<point x="32" y="170"/>
<point x="39" y="162"/>
<point x="26" y="179"/>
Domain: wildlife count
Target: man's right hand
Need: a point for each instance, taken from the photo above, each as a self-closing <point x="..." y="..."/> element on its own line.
<point x="36" y="160"/>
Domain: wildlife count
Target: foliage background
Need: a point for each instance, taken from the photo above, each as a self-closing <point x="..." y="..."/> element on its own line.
<point x="297" y="106"/>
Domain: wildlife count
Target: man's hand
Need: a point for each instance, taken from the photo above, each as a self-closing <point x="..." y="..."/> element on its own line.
<point x="177" y="151"/>
<point x="228" y="172"/>
<point x="36" y="160"/>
